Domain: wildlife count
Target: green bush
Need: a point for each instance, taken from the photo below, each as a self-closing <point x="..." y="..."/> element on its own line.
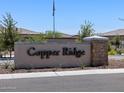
<point x="12" y="67"/>
<point x="6" y="65"/>
<point x="109" y="46"/>
<point x="112" y="52"/>
<point x="122" y="51"/>
<point x="119" y="52"/>
<point x="82" y="66"/>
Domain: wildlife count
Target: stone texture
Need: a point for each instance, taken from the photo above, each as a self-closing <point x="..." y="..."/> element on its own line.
<point x="95" y="48"/>
<point x="99" y="50"/>
<point x="23" y="60"/>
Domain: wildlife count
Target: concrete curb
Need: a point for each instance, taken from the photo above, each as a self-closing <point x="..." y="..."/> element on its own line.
<point x="60" y="73"/>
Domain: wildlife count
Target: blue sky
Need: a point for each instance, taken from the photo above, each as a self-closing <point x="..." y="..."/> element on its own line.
<point x="36" y="15"/>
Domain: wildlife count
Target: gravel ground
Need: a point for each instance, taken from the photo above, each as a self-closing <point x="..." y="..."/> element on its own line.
<point x="10" y="69"/>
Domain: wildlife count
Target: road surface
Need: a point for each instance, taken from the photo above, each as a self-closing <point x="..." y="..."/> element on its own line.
<point x="82" y="83"/>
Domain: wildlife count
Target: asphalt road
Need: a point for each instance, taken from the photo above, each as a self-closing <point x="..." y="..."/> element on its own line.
<point x="85" y="83"/>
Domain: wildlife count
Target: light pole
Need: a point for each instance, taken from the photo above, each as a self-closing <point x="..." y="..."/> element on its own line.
<point x="54" y="28"/>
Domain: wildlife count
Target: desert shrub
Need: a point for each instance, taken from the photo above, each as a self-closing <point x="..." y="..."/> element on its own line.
<point x="122" y="51"/>
<point x="6" y="65"/>
<point x="119" y="52"/>
<point x="109" y="46"/>
<point x="12" y="67"/>
<point x="82" y="66"/>
<point x="112" y="52"/>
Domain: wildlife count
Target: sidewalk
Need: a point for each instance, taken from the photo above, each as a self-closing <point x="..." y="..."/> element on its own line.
<point x="60" y="73"/>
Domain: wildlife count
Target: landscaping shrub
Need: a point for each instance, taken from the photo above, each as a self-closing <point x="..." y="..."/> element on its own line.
<point x="119" y="52"/>
<point x="12" y="67"/>
<point x="112" y="52"/>
<point x="82" y="66"/>
<point x="6" y="65"/>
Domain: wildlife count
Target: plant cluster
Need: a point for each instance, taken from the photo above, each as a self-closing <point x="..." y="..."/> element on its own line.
<point x="86" y="30"/>
<point x="8" y="33"/>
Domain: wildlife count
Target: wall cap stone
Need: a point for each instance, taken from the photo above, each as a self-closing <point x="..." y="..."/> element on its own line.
<point x="95" y="38"/>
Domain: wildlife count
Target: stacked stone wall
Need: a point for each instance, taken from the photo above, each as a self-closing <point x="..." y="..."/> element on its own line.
<point x="99" y="50"/>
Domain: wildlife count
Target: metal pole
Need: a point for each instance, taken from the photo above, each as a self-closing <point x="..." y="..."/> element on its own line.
<point x="54" y="28"/>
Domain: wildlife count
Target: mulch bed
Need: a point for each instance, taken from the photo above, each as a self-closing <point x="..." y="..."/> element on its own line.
<point x="112" y="64"/>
